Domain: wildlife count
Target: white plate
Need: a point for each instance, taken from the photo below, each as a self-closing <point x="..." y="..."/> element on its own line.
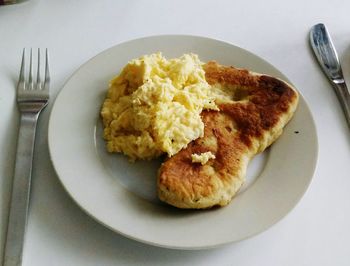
<point x="122" y="196"/>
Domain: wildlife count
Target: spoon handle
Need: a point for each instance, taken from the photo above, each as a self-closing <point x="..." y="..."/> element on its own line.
<point x="327" y="57"/>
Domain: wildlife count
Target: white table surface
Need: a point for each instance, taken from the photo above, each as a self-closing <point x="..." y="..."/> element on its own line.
<point x="316" y="232"/>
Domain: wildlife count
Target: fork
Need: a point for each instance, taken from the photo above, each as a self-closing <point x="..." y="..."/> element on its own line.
<point x="32" y="97"/>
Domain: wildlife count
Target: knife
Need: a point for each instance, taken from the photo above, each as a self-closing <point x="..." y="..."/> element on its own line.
<point x="327" y="57"/>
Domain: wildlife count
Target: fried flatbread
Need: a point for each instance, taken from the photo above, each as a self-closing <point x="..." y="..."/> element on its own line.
<point x="246" y="124"/>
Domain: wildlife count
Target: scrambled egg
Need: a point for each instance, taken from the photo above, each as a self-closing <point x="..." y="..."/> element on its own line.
<point x="202" y="158"/>
<point x="153" y="106"/>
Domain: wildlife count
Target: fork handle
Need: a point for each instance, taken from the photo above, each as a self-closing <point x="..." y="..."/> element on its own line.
<point x="20" y="190"/>
<point x="344" y="98"/>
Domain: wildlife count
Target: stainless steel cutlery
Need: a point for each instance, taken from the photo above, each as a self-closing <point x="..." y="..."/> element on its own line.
<point x="327" y="57"/>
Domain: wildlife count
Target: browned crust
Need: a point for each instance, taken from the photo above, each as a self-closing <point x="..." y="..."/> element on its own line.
<point x="234" y="134"/>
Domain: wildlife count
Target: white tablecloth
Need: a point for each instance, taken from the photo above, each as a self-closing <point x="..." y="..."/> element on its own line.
<point x="59" y="233"/>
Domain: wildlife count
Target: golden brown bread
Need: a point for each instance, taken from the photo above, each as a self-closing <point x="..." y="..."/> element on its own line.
<point x="253" y="119"/>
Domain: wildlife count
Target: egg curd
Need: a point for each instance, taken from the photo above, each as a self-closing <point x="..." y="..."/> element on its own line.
<point x="202" y="158"/>
<point x="153" y="106"/>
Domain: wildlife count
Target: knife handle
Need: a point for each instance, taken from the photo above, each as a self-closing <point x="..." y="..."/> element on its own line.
<point x="344" y="98"/>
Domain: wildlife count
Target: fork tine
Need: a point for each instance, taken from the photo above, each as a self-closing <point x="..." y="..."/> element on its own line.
<point x="47" y="72"/>
<point x="38" y="80"/>
<point x="21" y="80"/>
<point x="31" y="82"/>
